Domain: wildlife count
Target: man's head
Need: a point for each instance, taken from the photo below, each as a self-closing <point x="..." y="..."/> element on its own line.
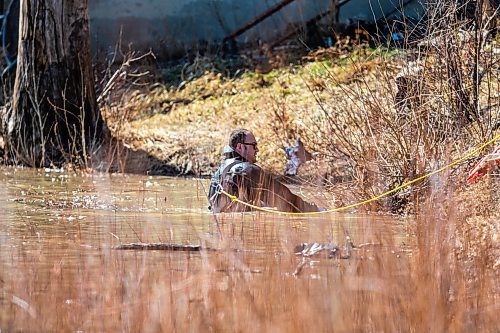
<point x="243" y="142"/>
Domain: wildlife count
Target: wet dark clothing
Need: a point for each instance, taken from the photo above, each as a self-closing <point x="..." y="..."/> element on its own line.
<point x="250" y="184"/>
<point x="233" y="172"/>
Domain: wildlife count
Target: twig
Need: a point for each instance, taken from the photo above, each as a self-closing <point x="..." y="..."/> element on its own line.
<point x="299" y="267"/>
<point x="159" y="246"/>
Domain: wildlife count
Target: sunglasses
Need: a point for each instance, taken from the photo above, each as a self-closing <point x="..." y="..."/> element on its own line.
<point x="253" y="144"/>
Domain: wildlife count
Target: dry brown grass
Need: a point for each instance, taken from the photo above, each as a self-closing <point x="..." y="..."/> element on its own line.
<point x="369" y="131"/>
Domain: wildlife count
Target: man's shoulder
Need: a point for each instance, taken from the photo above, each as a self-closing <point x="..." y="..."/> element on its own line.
<point x="237" y="166"/>
<point x="244" y="167"/>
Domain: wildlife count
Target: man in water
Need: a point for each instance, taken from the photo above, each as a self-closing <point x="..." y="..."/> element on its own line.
<point x="240" y="176"/>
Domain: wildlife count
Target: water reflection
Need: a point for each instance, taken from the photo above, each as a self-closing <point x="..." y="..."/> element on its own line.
<point x="59" y="270"/>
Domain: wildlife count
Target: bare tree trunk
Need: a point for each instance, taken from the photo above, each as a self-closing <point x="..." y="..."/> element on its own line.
<point x="54" y="117"/>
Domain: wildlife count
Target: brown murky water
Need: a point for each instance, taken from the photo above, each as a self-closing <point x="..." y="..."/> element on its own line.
<point x="60" y="271"/>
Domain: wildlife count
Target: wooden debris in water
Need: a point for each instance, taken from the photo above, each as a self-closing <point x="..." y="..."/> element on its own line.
<point x="159" y="246"/>
<point x="328" y="249"/>
<point x="299" y="267"/>
<point x="311" y="249"/>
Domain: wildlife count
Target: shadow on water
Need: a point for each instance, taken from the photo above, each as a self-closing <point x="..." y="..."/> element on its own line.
<point x="118" y="157"/>
<point x="59" y="270"/>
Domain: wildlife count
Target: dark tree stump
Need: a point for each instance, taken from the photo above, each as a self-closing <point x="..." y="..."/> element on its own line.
<point x="54" y="118"/>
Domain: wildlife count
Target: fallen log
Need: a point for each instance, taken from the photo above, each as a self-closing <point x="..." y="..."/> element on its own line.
<point x="159" y="246"/>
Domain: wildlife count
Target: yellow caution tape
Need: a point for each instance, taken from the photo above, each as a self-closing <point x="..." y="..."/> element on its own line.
<point x="270" y="210"/>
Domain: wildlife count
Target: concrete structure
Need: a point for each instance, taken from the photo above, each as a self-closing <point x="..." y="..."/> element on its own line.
<point x="170" y="27"/>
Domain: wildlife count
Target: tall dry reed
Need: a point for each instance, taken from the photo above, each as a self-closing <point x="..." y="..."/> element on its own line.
<point x="384" y="117"/>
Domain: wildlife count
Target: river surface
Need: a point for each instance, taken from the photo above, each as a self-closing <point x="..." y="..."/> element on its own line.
<point x="60" y="270"/>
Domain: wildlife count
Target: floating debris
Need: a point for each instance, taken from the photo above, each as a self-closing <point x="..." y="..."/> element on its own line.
<point x="159" y="246"/>
<point x="331" y="250"/>
<point x="311" y="249"/>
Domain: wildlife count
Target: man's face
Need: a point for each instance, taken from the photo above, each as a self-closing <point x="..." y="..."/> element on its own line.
<point x="248" y="149"/>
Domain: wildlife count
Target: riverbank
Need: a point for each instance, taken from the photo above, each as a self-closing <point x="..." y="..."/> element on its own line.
<point x="369" y="133"/>
<point x="188" y="124"/>
<point x="444" y="257"/>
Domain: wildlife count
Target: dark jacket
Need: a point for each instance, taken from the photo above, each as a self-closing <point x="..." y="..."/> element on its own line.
<point x="231" y="175"/>
<point x="250" y="184"/>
